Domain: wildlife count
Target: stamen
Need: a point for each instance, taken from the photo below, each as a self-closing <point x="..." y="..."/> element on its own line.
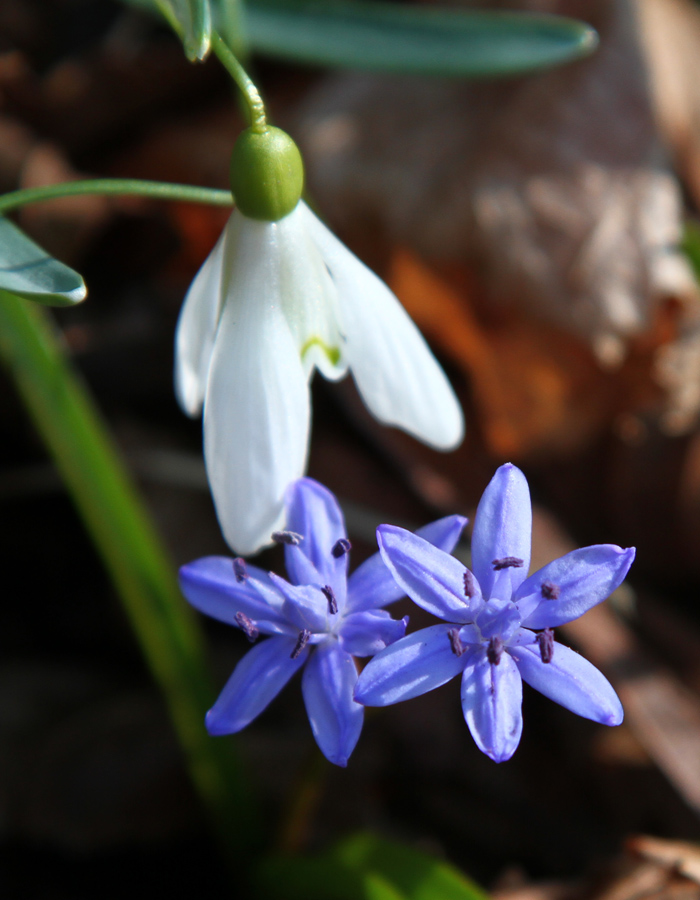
<point x="494" y="651"/>
<point x="455" y="643"/>
<point x="239" y="569"/>
<point x="247" y="626"/>
<point x="302" y="641"/>
<point x="287" y="537"/>
<point x="330" y="596"/>
<point x="508" y="562"/>
<point x="469" y="585"/>
<point x="550" y="591"/>
<point x="341" y="547"/>
<point x="546" y="641"/>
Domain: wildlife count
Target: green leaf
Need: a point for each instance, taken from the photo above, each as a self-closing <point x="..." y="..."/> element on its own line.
<point x="365" y="867"/>
<point x="414" y="874"/>
<point x="29" y="271"/>
<point x="191" y="19"/>
<point x="424" y="40"/>
<point x="690" y="245"/>
<point x="104" y="494"/>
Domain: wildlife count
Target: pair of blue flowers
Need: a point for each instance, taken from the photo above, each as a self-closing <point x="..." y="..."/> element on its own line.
<point x="497" y="629"/>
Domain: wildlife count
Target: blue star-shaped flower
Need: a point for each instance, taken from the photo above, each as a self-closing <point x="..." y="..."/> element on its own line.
<point x="319" y="618"/>
<point x="495" y="613"/>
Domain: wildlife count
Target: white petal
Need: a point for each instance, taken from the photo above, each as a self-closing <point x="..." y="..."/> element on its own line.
<point x="396" y="373"/>
<point x="309" y="297"/>
<point x="196" y="327"/>
<point x="256" y="413"/>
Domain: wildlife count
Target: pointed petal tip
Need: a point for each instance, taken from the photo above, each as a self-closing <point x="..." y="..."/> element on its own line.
<point x="217" y="726"/>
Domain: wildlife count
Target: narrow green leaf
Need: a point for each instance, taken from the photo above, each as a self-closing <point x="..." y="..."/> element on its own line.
<point x="365" y="867"/>
<point x="414" y="874"/>
<point x="29" y="271"/>
<point x="191" y="20"/>
<point x="690" y="245"/>
<point x="424" y="40"/>
<point x="143" y="574"/>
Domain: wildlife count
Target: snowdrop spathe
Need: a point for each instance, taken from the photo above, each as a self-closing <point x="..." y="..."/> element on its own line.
<point x="274" y="301"/>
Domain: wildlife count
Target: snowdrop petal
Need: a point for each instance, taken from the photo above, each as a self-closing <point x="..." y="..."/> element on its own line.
<point x="570" y="680"/>
<point x="432" y="578"/>
<point x="314" y="513"/>
<point x="367" y="633"/>
<point x="566" y="588"/>
<point x="503" y="534"/>
<point x="372" y="585"/>
<point x="256" y="681"/>
<point x="257" y="409"/>
<point x="327" y="685"/>
<point x="210" y="585"/>
<point x="412" y="666"/>
<point x="398" y="377"/>
<point x="492" y="697"/>
<point x="310" y="298"/>
<point x="196" y="326"/>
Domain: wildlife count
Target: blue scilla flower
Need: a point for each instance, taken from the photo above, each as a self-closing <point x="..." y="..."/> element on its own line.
<point x="320" y="619"/>
<point x="500" y="621"/>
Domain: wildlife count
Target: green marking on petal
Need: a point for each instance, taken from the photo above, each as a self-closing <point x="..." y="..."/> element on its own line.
<point x="333" y="353"/>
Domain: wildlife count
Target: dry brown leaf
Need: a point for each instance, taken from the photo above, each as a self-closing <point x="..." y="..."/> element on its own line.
<point x="682" y="856"/>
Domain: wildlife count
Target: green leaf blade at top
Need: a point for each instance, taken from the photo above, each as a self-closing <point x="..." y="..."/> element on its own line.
<point x="29" y="271"/>
<point x="417" y="40"/>
<point x="191" y="19"/>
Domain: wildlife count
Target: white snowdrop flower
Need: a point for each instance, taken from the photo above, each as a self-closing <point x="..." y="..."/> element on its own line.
<point x="278" y="297"/>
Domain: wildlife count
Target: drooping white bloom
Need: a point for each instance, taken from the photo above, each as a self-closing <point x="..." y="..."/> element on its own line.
<point x="273" y="301"/>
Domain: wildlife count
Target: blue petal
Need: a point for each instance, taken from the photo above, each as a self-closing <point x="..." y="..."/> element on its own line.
<point x="502" y="529"/>
<point x="256" y="681"/>
<point x="368" y="632"/>
<point x="210" y="585"/>
<point x="305" y="606"/>
<point x="372" y="585"/>
<point x="412" y="666"/>
<point x="336" y="719"/>
<point x="314" y="513"/>
<point x="492" y="697"/>
<point x="582" y="578"/>
<point x="570" y="680"/>
<point x="432" y="578"/>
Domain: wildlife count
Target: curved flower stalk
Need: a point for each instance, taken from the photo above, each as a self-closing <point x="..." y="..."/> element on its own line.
<point x="274" y="301"/>
<point x="494" y="614"/>
<point x="319" y="620"/>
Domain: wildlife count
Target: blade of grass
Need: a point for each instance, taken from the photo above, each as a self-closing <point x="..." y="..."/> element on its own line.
<point x="79" y="442"/>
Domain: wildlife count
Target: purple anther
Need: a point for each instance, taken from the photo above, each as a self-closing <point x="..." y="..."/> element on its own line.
<point x="494" y="651"/>
<point x="546" y="641"/>
<point x="455" y="643"/>
<point x="239" y="569"/>
<point x="550" y="591"/>
<point x="287" y="537"/>
<point x="302" y="641"/>
<point x="470" y="588"/>
<point x="508" y="562"/>
<point x="341" y="547"/>
<point x="247" y="626"/>
<point x="327" y="590"/>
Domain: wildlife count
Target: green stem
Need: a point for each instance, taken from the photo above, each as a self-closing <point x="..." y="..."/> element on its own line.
<point x="158" y="190"/>
<point x="107" y="500"/>
<point x="256" y="107"/>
